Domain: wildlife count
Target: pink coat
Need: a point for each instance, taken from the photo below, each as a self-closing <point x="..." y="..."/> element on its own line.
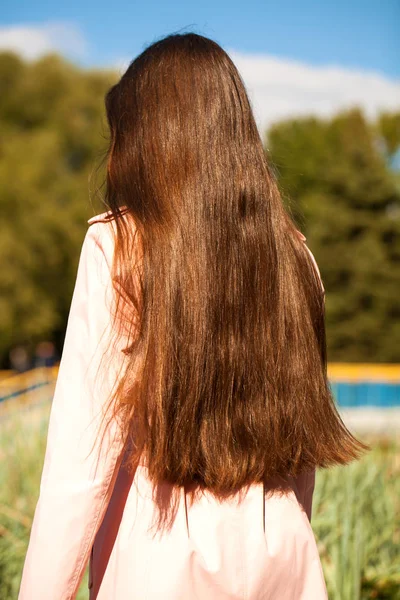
<point x="260" y="548"/>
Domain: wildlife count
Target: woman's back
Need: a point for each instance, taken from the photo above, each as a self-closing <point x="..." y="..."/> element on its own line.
<point x="257" y="547"/>
<point x="144" y="542"/>
<point x="243" y="547"/>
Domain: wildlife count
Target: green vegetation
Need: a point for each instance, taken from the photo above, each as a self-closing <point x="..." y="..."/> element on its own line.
<point x="336" y="172"/>
<point x="52" y="144"/>
<point x="356" y="514"/>
<point x="356" y="519"/>
<point x="347" y="202"/>
<point x="23" y="444"/>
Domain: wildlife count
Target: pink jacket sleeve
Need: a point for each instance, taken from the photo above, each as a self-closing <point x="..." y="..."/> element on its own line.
<point x="75" y="489"/>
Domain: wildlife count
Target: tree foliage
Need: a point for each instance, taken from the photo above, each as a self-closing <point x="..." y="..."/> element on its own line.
<point x="336" y="181"/>
<point x="51" y="148"/>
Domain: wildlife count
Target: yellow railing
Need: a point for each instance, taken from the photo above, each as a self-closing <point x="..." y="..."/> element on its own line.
<point x="353" y="372"/>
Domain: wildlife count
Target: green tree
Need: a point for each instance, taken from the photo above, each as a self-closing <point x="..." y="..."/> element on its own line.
<point x="388" y="126"/>
<point x="345" y="199"/>
<point x="52" y="143"/>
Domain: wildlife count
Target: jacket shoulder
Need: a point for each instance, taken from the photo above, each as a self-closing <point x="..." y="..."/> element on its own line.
<point x="301" y="236"/>
<point x="103" y="217"/>
<point x="101" y="230"/>
<point x="108" y="215"/>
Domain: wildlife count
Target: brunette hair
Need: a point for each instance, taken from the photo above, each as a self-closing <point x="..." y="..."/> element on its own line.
<point x="225" y="382"/>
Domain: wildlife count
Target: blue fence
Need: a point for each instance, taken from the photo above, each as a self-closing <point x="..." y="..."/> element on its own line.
<point x="366" y="393"/>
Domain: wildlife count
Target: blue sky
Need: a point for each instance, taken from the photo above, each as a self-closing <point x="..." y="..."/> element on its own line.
<point x="296" y="57"/>
<point x="352" y="33"/>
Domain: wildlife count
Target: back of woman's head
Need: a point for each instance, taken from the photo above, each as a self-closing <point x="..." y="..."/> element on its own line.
<point x="225" y="382"/>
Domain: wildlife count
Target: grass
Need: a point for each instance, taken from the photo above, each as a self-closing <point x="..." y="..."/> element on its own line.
<point x="356" y="520"/>
<point x="22" y="447"/>
<point x="356" y="514"/>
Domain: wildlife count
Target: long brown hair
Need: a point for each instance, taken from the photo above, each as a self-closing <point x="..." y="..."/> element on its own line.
<point x="226" y="380"/>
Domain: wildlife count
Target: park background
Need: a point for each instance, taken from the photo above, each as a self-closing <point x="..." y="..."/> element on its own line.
<point x="324" y="81"/>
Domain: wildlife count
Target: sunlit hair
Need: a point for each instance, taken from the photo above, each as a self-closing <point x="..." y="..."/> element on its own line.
<point x="225" y="383"/>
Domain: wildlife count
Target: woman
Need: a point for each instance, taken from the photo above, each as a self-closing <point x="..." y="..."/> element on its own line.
<point x="192" y="406"/>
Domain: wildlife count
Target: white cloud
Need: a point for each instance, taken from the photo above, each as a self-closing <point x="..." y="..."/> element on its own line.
<point x="278" y="88"/>
<point x="281" y="88"/>
<point x="32" y="41"/>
